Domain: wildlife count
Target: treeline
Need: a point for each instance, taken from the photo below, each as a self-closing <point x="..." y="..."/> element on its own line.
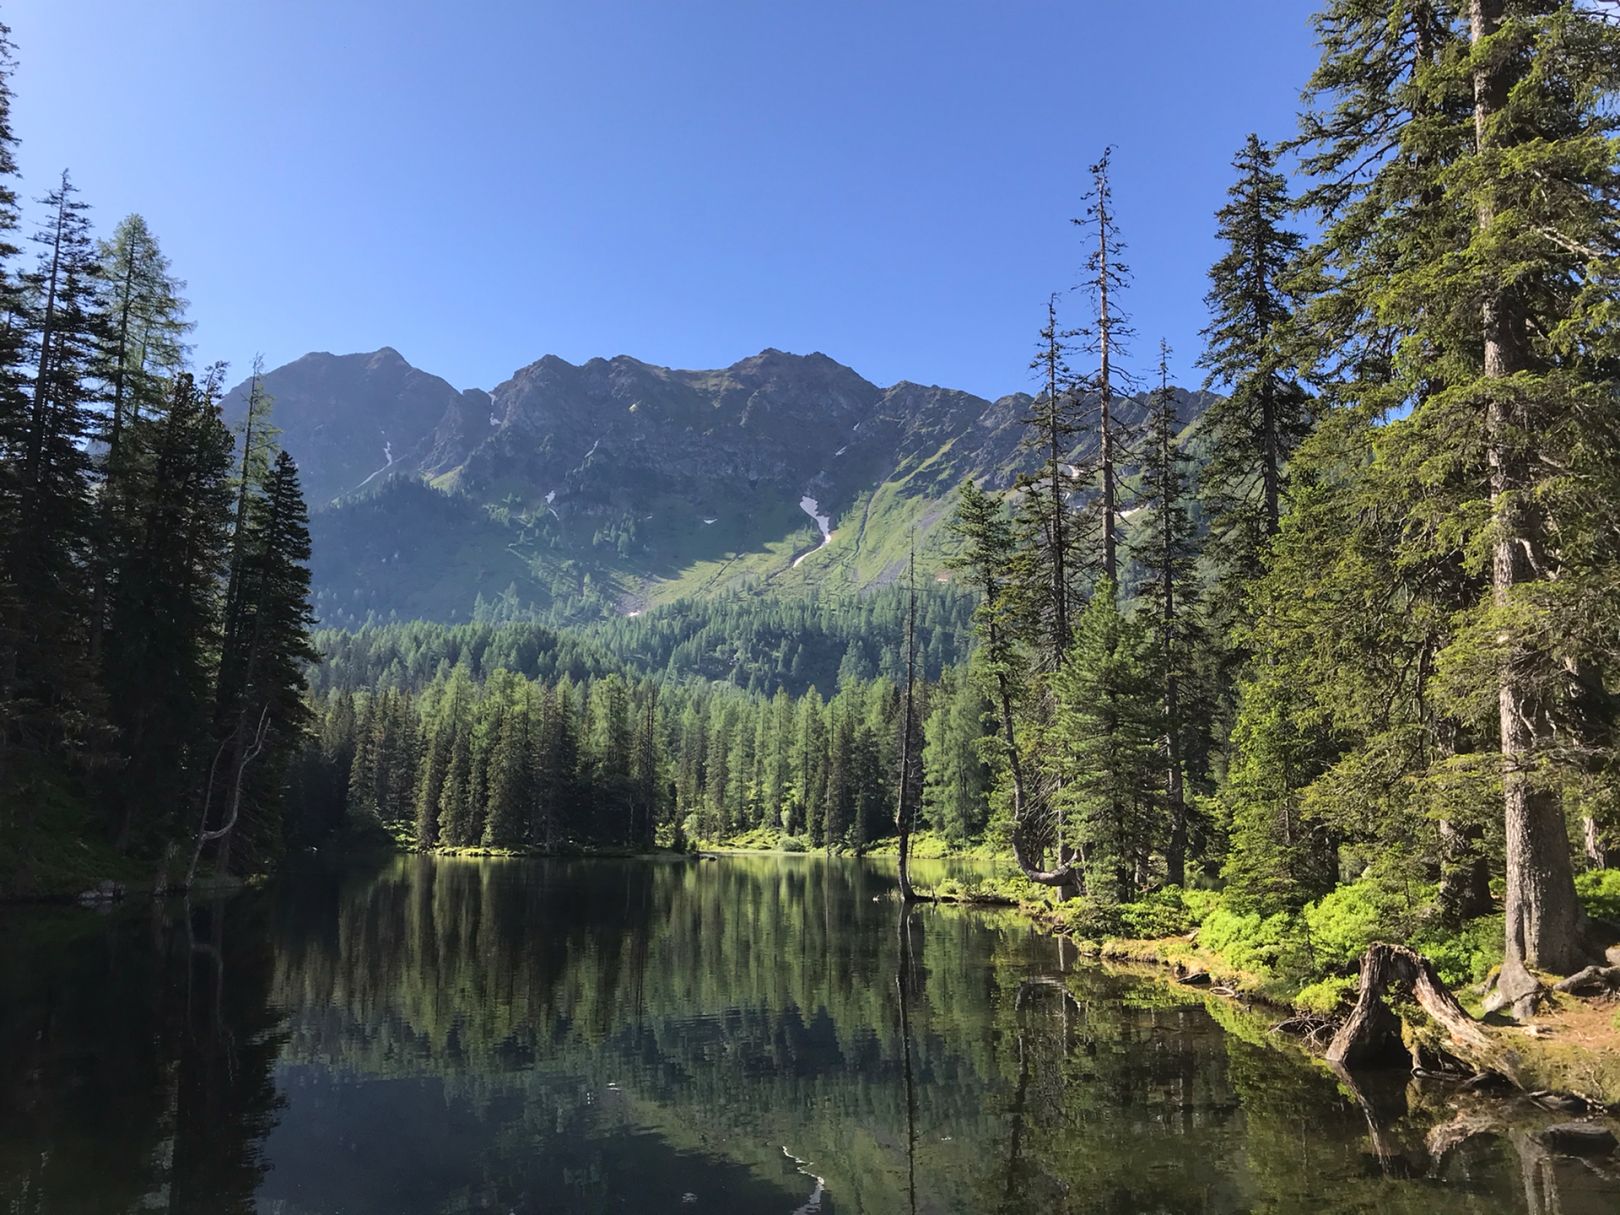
<point x="153" y="576"/>
<point x="759" y="644"/>
<point x="1391" y="659"/>
<point x="501" y="760"/>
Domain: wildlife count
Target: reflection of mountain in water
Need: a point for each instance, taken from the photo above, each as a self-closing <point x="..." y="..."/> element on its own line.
<point x="753" y="1035"/>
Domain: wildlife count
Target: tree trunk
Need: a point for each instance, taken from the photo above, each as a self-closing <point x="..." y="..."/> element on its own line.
<point x="1372" y="1033"/>
<point x="905" y="811"/>
<point x="1545" y="924"/>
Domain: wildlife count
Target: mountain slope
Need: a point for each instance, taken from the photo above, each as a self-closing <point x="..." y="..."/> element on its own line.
<point x="611" y="485"/>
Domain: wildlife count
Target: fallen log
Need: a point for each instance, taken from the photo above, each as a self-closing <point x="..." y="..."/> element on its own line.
<point x="1372" y="1032"/>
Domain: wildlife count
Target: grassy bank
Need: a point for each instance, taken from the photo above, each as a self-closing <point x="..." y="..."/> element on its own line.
<point x="1306" y="962"/>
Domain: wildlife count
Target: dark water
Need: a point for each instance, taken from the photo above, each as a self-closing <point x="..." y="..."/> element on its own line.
<point x="758" y="1034"/>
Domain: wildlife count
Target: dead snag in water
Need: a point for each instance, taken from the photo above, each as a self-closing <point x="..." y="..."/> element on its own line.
<point x="1373" y="1033"/>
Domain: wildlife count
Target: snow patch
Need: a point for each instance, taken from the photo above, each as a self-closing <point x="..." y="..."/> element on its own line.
<point x="388" y="456"/>
<point x="841" y="450"/>
<point x="824" y="522"/>
<point x="551" y="497"/>
<point x="707" y="522"/>
<point x="592" y="451"/>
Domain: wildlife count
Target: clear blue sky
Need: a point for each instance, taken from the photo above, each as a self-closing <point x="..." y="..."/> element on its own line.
<point x="478" y="183"/>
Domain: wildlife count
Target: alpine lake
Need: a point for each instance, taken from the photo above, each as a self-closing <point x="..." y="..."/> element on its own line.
<point x="760" y="1033"/>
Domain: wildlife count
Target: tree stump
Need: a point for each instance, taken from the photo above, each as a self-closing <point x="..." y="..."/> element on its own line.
<point x="1372" y="1033"/>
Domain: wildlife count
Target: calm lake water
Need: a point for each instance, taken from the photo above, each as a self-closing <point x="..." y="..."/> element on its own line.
<point x="758" y="1034"/>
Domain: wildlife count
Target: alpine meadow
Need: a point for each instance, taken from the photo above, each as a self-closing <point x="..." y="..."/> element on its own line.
<point x="1189" y="782"/>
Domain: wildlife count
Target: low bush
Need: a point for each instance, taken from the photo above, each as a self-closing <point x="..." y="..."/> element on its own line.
<point x="1273" y="946"/>
<point x="1327" y="997"/>
<point x="1349" y="918"/>
<point x="1468" y="954"/>
<point x="1160" y="913"/>
<point x="1600" y="892"/>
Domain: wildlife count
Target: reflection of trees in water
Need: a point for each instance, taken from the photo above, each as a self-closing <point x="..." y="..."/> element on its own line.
<point x="550" y="1034"/>
<point x="137" y="1061"/>
<point x="946" y="1064"/>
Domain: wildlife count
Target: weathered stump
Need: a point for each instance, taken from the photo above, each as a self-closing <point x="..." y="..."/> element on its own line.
<point x="1372" y="1033"/>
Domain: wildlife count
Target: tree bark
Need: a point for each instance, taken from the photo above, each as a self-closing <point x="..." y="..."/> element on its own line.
<point x="1372" y="1033"/>
<point x="1545" y="923"/>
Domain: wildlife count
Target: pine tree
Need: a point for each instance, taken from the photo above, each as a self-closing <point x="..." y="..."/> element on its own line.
<point x="1168" y="595"/>
<point x="1478" y="247"/>
<point x="1107" y="277"/>
<point x="1254" y="427"/>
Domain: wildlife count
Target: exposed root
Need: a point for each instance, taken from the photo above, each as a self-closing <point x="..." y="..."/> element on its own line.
<point x="1602" y="981"/>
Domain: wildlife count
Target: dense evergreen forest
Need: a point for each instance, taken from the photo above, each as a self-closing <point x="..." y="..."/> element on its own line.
<point x="154" y="615"/>
<point x="1348" y="643"/>
<point x="1360" y="649"/>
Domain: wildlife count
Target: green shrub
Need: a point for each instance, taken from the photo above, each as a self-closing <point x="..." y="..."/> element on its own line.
<point x="1091" y="918"/>
<point x="1600" y="891"/>
<point x="1161" y="913"/>
<point x="1349" y="918"/>
<point x="1469" y="954"/>
<point x="1326" y="997"/>
<point x="1273" y="945"/>
<point x="792" y="843"/>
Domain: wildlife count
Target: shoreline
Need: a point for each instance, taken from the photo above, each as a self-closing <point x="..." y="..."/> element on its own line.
<point x="1571" y="1050"/>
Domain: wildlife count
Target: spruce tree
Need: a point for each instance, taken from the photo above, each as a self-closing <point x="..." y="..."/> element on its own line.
<point x="260" y="690"/>
<point x="984" y="558"/>
<point x="1106" y="279"/>
<point x="54" y="705"/>
<point x="1253" y="428"/>
<point x="1108" y="721"/>
<point x="165" y="614"/>
<point x="1046" y="530"/>
<point x="14" y="328"/>
<point x="1480" y="247"/>
<point x="1168" y="595"/>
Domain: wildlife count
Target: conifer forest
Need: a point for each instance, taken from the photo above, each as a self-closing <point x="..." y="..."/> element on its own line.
<point x="1190" y="784"/>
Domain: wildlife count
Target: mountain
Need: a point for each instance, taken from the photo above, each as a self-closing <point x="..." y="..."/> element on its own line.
<point x="615" y="484"/>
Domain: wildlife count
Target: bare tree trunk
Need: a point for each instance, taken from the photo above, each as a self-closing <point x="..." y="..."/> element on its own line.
<point x="1105" y="402"/>
<point x="906" y="810"/>
<point x="903" y="981"/>
<point x="1060" y="577"/>
<point x="223" y="832"/>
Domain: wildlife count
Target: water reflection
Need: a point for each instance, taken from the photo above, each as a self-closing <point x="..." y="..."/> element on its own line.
<point x="759" y="1034"/>
<point x="138" y="1055"/>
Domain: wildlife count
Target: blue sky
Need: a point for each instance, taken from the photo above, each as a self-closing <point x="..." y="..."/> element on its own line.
<point x="478" y="183"/>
